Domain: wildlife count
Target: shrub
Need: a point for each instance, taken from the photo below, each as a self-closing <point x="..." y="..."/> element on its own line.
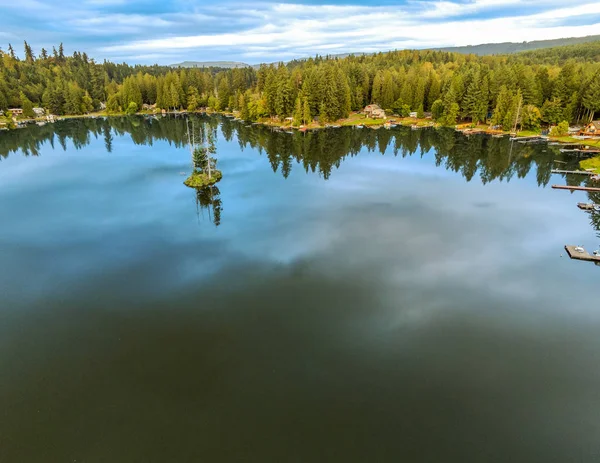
<point x="560" y="130"/>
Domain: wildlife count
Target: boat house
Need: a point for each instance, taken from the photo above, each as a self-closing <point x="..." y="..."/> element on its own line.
<point x="374" y="111"/>
<point x="591" y="130"/>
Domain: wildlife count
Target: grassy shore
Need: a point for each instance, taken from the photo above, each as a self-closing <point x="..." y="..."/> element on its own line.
<point x="592" y="163"/>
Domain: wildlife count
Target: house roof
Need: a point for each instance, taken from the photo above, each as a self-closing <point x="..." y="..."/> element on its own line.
<point x="372" y="107"/>
<point x="596" y="124"/>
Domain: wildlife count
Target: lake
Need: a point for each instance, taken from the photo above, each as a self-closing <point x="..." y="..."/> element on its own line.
<point x="348" y="295"/>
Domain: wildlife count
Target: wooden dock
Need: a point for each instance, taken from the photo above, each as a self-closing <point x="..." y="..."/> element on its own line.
<point x="588" y="206"/>
<point x="575" y="188"/>
<point x="580" y="151"/>
<point x="578" y="253"/>
<point x="580" y="172"/>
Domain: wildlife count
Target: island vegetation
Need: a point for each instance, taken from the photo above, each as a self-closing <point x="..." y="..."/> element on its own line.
<point x="203" y="148"/>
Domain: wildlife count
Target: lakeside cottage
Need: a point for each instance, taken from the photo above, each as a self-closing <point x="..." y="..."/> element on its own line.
<point x="16" y="111"/>
<point x="148" y="107"/>
<point x="591" y="130"/>
<point x="374" y="111"/>
<point x="39" y="112"/>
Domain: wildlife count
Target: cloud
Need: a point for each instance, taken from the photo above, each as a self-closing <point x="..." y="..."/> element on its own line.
<point x="290" y="27"/>
<point x="267" y="31"/>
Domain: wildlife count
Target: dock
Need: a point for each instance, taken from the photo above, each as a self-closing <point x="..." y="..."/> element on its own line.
<point x="575" y="188"/>
<point x="578" y="253"/>
<point x="588" y="206"/>
<point x="579" y="151"/>
<point x="580" y="172"/>
<point x="529" y="138"/>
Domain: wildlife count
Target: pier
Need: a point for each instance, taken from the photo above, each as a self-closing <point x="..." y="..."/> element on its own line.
<point x="578" y="253"/>
<point x="588" y="206"/>
<point x="575" y="188"/>
<point x="580" y="172"/>
<point x="580" y="151"/>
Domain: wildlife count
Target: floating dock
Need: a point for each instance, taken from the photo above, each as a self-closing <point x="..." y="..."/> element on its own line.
<point x="578" y="253"/>
<point x="588" y="206"/>
<point x="580" y="172"/>
<point x="579" y="151"/>
<point x="530" y="138"/>
<point x="575" y="188"/>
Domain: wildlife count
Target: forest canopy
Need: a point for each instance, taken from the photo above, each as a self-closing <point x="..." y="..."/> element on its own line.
<point x="551" y="85"/>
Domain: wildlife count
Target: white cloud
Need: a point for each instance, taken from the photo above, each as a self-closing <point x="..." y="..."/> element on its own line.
<point x="292" y="28"/>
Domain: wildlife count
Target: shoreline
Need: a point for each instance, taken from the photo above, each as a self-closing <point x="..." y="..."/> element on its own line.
<point x="354" y="120"/>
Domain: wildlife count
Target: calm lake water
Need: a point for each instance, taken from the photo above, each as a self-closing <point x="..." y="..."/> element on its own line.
<point x="342" y="296"/>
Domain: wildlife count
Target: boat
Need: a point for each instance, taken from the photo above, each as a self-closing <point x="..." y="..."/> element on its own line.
<point x="359" y="126"/>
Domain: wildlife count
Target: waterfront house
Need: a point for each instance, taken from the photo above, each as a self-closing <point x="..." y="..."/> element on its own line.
<point x="39" y="112"/>
<point x="374" y="111"/>
<point x="16" y="111"/>
<point x="591" y="130"/>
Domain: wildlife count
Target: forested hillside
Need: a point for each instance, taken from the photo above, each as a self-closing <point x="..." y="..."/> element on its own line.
<point x="551" y="85"/>
<point x="517" y="47"/>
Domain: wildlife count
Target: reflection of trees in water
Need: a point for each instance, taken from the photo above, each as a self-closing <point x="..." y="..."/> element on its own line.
<point x="317" y="151"/>
<point x="209" y="199"/>
<point x="595" y="216"/>
<point x="320" y="151"/>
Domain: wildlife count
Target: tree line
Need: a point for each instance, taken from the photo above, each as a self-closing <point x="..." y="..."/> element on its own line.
<point x="544" y="87"/>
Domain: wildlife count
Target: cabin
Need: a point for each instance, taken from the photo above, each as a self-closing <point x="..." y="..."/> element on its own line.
<point x="374" y="111"/>
<point x="591" y="130"/>
<point x="102" y="106"/>
<point x="148" y="107"/>
<point x="413" y="114"/>
<point x="39" y="112"/>
<point x="16" y="111"/>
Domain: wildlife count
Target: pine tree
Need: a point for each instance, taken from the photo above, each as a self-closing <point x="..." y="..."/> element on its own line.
<point x="591" y="96"/>
<point x="29" y="58"/>
<point x="387" y="90"/>
<point x="27" y="106"/>
<point x="377" y="91"/>
<point x="306" y="115"/>
<point x="297" y="112"/>
<point x="437" y="110"/>
<point x="87" y="104"/>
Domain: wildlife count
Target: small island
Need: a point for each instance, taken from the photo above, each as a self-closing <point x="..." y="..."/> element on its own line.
<point x="204" y="164"/>
<point x="200" y="179"/>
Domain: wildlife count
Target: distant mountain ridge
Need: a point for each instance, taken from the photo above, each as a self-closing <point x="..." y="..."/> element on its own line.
<point x="505" y="48"/>
<point x="210" y="64"/>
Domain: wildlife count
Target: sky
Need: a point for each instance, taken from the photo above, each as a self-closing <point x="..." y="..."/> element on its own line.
<point x="167" y="32"/>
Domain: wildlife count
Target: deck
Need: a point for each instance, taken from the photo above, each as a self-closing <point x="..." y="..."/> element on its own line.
<point x="579" y="172"/>
<point x="575" y="188"/>
<point x="588" y="206"/>
<point x="586" y="256"/>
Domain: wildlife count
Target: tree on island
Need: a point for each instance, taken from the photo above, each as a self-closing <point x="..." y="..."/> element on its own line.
<point x="203" y="148"/>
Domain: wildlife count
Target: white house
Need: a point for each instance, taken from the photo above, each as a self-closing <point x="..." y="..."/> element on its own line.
<point x="39" y="112"/>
